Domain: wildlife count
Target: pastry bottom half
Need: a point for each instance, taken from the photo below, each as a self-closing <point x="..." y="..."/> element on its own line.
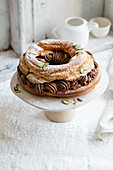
<point x="62" y="88"/>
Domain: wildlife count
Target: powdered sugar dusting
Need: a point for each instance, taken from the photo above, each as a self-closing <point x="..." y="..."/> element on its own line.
<point x="68" y="71"/>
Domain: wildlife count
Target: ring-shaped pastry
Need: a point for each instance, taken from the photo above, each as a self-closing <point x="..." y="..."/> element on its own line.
<point x="58" y="68"/>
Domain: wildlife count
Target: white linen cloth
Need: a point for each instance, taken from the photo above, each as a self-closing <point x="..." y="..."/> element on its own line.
<point x="35" y="143"/>
<point x="105" y="128"/>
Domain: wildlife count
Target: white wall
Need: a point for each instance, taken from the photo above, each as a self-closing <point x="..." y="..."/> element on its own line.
<point x="17" y="25"/>
<point x="33" y="20"/>
<point x="28" y="20"/>
<point x="4" y="24"/>
<point x="49" y="13"/>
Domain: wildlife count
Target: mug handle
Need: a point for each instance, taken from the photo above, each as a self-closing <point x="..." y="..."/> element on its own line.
<point x="54" y="31"/>
<point x="92" y="25"/>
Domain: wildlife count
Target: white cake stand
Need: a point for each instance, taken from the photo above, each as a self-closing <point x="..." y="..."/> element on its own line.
<point x="54" y="109"/>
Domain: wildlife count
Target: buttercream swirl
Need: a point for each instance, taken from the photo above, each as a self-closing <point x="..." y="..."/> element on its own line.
<point x="50" y="87"/>
<point x="73" y="84"/>
<point x="63" y="85"/>
<point x="82" y="80"/>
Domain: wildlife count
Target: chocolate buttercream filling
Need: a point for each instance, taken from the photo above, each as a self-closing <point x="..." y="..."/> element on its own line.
<point x="60" y="85"/>
<point x="56" y="58"/>
<point x="50" y="87"/>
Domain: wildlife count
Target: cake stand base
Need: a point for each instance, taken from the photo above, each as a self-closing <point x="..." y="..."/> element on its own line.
<point x="61" y="116"/>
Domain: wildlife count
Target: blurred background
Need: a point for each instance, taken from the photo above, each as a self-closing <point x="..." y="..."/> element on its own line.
<point x="26" y="21"/>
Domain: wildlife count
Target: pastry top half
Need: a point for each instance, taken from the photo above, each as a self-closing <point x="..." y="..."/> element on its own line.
<point x="56" y="62"/>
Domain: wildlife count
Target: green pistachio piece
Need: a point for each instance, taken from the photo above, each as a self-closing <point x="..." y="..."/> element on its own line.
<point x="41" y="64"/>
<point x="80" y="51"/>
<point x="16" y="89"/>
<point x="74" y="45"/>
<point x="65" y="102"/>
<point x="45" y="65"/>
<point x="79" y="48"/>
<point x="77" y="52"/>
<point x="76" y="101"/>
<point x="81" y="70"/>
<point x="80" y="100"/>
<point x="22" y="76"/>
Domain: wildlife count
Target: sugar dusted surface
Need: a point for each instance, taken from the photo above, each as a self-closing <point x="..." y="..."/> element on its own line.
<point x="67" y="71"/>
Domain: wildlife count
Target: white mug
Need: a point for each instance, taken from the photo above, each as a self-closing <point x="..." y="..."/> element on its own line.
<point x="75" y="29"/>
<point x="104" y="26"/>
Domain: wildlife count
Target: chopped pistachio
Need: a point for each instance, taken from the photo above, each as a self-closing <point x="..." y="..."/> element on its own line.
<point x="16" y="89"/>
<point x="74" y="45"/>
<point x="77" y="52"/>
<point x="75" y="100"/>
<point x="80" y="51"/>
<point x="79" y="48"/>
<point x="41" y="64"/>
<point x="81" y="70"/>
<point x="17" y="85"/>
<point x="80" y="100"/>
<point x="45" y="65"/>
<point x="22" y="76"/>
<point x="65" y="102"/>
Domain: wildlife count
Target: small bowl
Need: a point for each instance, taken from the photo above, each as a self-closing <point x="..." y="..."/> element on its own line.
<point x="104" y="26"/>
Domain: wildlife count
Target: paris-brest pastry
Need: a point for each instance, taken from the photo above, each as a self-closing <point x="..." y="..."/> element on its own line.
<point x="58" y="68"/>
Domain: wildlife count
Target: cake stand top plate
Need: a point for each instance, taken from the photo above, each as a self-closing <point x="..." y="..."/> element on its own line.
<point x="55" y="104"/>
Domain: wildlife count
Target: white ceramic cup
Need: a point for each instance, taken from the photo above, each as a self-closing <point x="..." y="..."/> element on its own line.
<point x="75" y="29"/>
<point x="104" y="26"/>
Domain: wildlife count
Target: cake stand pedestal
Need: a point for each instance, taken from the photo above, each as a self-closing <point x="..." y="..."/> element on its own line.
<point x="54" y="109"/>
<point x="61" y="116"/>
